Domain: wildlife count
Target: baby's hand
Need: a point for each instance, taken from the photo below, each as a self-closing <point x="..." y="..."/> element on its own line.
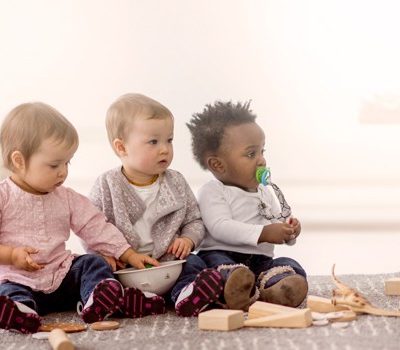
<point x="278" y="233"/>
<point x="21" y="258"/>
<point x="114" y="263"/>
<point x="138" y="260"/>
<point x="181" y="247"/>
<point x="296" y="226"/>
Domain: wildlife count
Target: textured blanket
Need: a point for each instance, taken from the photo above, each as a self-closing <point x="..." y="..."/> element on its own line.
<point x="171" y="332"/>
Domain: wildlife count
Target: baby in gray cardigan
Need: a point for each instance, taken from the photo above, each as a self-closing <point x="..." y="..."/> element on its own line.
<point x="154" y="206"/>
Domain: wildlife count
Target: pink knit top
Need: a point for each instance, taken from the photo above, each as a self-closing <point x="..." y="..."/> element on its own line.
<point x="44" y="222"/>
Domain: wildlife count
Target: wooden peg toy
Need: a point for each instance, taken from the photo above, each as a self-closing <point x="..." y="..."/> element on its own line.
<point x="59" y="340"/>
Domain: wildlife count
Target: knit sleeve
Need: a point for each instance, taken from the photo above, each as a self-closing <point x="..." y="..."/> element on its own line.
<point x="100" y="196"/>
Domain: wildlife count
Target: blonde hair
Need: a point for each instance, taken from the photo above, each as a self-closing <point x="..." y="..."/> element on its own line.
<point x="126" y="108"/>
<point x="28" y="125"/>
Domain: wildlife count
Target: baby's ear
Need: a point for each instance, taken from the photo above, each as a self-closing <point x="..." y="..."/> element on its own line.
<point x="215" y="164"/>
<point x="119" y="147"/>
<point x="18" y="160"/>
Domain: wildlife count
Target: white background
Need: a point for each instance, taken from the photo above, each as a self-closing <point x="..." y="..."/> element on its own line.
<point x="323" y="77"/>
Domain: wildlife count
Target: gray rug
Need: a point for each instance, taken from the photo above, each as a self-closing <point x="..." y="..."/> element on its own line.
<point x="171" y="332"/>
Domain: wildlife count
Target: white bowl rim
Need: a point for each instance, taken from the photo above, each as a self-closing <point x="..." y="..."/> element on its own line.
<point x="163" y="265"/>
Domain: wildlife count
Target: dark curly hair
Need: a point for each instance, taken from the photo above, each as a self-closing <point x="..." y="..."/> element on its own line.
<point x="208" y="127"/>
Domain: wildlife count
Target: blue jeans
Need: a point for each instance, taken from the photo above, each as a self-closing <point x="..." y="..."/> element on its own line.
<point x="193" y="265"/>
<point x="85" y="273"/>
<point x="256" y="262"/>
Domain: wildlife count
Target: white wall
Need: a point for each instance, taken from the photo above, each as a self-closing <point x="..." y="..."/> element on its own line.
<point x="310" y="67"/>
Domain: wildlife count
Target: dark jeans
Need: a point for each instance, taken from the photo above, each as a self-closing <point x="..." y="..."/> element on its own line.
<point x="85" y="273"/>
<point x="191" y="268"/>
<point x="256" y="263"/>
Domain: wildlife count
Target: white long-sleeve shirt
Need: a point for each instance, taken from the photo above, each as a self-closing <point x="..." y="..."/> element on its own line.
<point x="233" y="219"/>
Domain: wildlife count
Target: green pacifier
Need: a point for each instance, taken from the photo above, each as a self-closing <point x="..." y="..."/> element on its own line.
<point x="263" y="175"/>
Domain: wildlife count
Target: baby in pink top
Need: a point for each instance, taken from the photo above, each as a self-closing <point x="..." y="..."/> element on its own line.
<point x="37" y="274"/>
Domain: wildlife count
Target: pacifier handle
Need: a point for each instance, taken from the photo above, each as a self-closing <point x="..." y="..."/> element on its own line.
<point x="263" y="175"/>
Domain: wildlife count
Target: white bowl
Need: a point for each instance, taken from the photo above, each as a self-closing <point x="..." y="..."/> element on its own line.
<point x="158" y="279"/>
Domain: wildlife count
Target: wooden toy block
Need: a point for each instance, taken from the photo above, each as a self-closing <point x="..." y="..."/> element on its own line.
<point x="320" y="304"/>
<point x="261" y="309"/>
<point x="221" y="320"/>
<point x="295" y="319"/>
<point x="392" y="286"/>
